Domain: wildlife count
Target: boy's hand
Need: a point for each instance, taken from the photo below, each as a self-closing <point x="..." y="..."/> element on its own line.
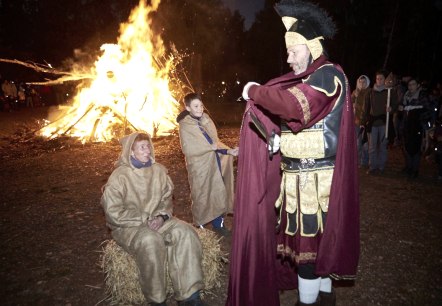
<point x="155" y="223"/>
<point x="233" y="152"/>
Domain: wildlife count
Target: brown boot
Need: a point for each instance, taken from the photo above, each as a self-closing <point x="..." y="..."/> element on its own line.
<point x="327" y="298"/>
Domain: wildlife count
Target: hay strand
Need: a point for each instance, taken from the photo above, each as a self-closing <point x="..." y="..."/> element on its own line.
<point x="121" y="271"/>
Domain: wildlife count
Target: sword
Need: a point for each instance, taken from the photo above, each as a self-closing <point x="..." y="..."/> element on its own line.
<point x="263" y="132"/>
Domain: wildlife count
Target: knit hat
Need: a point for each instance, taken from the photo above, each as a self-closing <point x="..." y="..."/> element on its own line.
<point x="306" y="24"/>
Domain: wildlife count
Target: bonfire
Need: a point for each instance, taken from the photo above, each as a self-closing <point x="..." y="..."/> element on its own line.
<point x="131" y="87"/>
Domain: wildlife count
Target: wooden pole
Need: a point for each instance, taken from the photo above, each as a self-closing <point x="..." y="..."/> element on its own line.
<point x="388" y="113"/>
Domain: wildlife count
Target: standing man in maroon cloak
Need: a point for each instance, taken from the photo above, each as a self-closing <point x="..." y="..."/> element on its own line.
<point x="296" y="220"/>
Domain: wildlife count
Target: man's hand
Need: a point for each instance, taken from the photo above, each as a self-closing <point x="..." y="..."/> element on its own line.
<point x="245" y="91"/>
<point x="276" y="143"/>
<point x="155" y="223"/>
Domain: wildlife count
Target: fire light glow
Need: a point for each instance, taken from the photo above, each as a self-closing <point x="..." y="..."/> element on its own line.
<point x="131" y="88"/>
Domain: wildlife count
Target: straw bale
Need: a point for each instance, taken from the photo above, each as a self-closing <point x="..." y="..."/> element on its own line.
<point x="121" y="271"/>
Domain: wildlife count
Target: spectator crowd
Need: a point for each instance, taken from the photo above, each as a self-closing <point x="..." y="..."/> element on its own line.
<point x="16" y="95"/>
<point x="397" y="111"/>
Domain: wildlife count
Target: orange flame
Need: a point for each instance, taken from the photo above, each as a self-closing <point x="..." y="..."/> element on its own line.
<point x="130" y="88"/>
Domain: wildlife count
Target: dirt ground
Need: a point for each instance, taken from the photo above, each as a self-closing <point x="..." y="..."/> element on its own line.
<point x="52" y="226"/>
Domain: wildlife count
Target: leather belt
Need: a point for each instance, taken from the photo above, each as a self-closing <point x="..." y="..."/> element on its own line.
<point x="306" y="163"/>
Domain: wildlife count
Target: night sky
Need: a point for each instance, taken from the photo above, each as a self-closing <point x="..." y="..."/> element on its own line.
<point x="51" y="30"/>
<point x="410" y="36"/>
<point x="247" y="8"/>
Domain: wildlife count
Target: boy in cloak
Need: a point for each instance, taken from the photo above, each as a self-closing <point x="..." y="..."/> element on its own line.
<point x="209" y="165"/>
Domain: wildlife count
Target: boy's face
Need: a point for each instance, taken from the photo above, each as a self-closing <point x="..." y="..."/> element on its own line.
<point x="196" y="108"/>
<point x="380" y="80"/>
<point x="141" y="151"/>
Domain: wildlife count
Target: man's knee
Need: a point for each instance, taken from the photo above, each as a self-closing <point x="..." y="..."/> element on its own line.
<point x="147" y="240"/>
<point x="183" y="230"/>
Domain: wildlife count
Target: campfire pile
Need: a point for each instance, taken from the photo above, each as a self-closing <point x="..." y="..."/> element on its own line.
<point x="134" y="85"/>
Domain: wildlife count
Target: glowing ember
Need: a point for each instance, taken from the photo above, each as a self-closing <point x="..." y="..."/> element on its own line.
<point x="130" y="88"/>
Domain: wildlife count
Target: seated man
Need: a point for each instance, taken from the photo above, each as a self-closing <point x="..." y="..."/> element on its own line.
<point x="137" y="200"/>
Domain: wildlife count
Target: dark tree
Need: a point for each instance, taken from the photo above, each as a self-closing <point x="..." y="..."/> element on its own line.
<point x="209" y="34"/>
<point x="49" y="30"/>
<point x="265" y="49"/>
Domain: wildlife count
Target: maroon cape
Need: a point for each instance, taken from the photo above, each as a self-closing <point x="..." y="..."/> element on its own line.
<point x="256" y="272"/>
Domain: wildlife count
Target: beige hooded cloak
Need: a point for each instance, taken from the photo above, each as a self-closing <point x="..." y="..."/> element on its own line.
<point x="211" y="190"/>
<point x="133" y="196"/>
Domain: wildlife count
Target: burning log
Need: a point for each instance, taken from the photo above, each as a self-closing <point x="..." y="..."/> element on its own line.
<point x="67" y="76"/>
<point x="82" y="116"/>
<point x="130" y="84"/>
<point x="91" y="136"/>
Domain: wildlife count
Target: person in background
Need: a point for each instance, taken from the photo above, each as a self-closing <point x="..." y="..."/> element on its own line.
<point x="437" y="139"/>
<point x="137" y="201"/>
<point x="375" y="117"/>
<point x="209" y="165"/>
<point x="10" y="94"/>
<point x="358" y="97"/>
<point x="21" y="94"/>
<point x="398" y="116"/>
<point x="414" y="104"/>
<point x="29" y="99"/>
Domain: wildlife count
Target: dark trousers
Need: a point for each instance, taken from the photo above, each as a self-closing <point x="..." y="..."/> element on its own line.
<point x="412" y="162"/>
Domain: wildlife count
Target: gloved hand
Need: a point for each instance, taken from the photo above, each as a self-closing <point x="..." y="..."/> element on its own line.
<point x="276" y="143"/>
<point x="245" y="91"/>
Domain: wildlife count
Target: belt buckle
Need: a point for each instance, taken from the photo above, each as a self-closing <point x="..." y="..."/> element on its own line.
<point x="305" y="163"/>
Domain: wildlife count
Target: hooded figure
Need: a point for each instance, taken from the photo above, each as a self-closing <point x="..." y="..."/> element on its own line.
<point x="137" y="200"/>
<point x="358" y="97"/>
<point x="310" y="182"/>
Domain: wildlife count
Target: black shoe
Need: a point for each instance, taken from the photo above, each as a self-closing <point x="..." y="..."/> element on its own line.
<point x="327" y="298"/>
<point x="192" y="302"/>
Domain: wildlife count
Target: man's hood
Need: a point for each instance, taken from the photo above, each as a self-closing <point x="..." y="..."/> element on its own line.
<point x="127" y="142"/>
